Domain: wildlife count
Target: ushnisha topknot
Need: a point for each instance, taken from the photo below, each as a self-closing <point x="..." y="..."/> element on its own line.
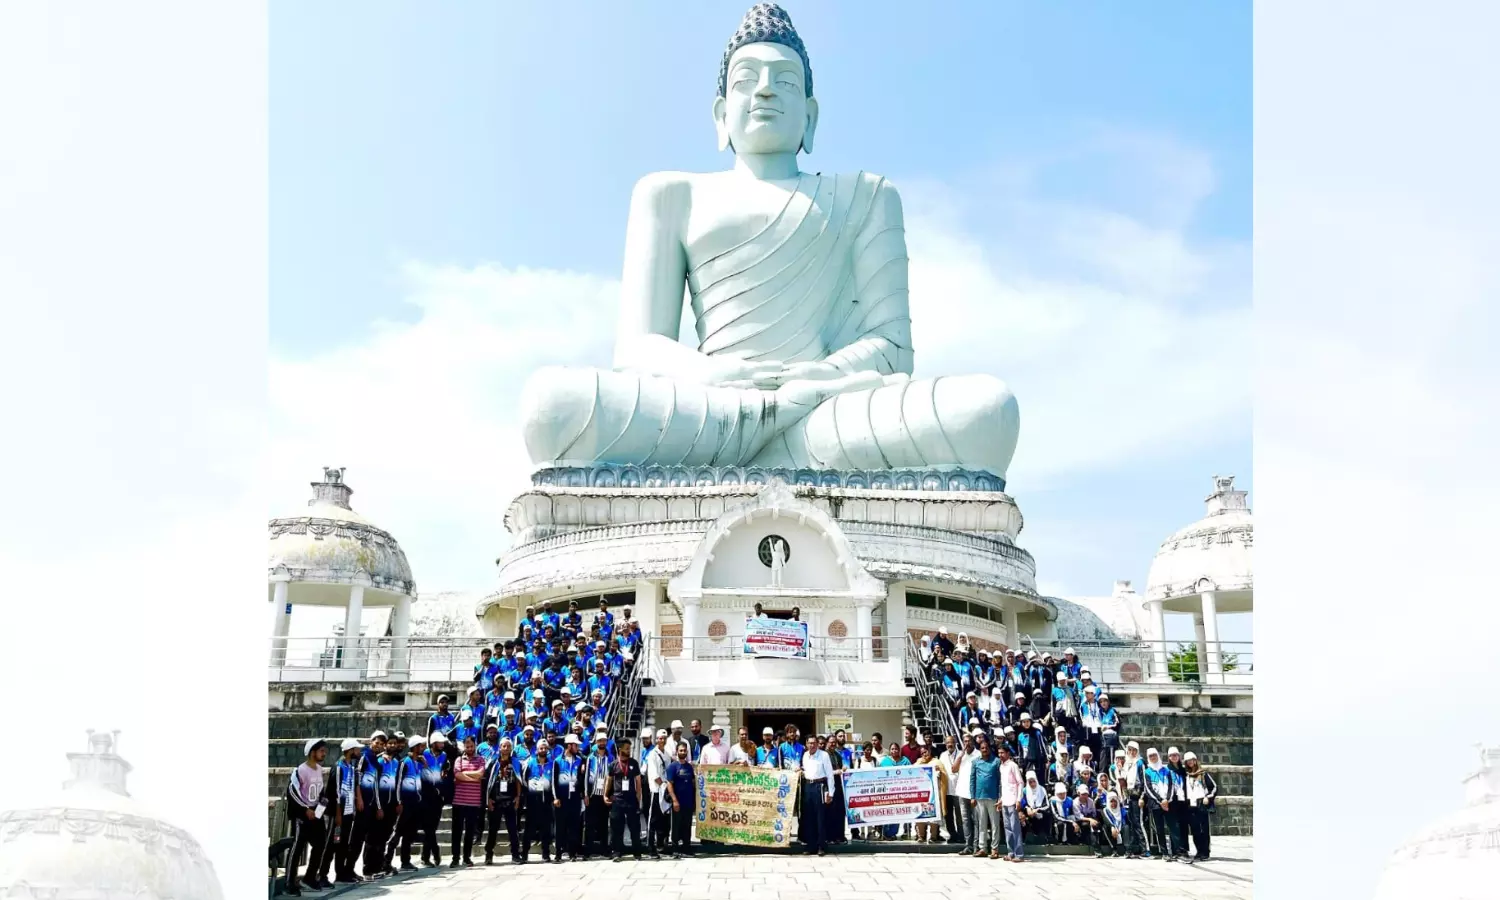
<point x="765" y="23"/>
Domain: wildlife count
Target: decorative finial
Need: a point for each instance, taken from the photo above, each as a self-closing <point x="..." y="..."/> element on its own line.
<point x="765" y="23"/>
<point x="331" y="489"/>
<point x="101" y="765"/>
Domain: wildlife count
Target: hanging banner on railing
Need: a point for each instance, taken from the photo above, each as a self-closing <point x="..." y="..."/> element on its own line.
<point x="775" y="637"/>
<point x="741" y="805"/>
<point x="887" y="795"/>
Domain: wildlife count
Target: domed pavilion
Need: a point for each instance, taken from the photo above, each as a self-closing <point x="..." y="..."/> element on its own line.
<point x="1204" y="569"/>
<point x="331" y="555"/>
<point x="92" y="841"/>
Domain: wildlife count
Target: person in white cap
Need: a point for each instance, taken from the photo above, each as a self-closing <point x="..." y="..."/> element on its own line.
<point x="1180" y="819"/>
<point x="673" y="739"/>
<point x="568" y="791"/>
<point x="941" y="643"/>
<point x="437" y="778"/>
<point x="716" y="751"/>
<point x="409" y="814"/>
<point x="1201" y="791"/>
<point x="537" y="777"/>
<point x="768" y="754"/>
<point x="304" y="796"/>
<point x="346" y="837"/>
<point x="596" y="811"/>
<point x="657" y="820"/>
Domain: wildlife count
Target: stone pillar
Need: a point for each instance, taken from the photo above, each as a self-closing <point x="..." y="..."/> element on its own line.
<point x="647" y="609"/>
<point x="1210" y="617"/>
<point x="281" y="622"/>
<point x="1012" y="626"/>
<point x="1202" y="642"/>
<point x="894" y="644"/>
<point x="352" y="652"/>
<point x="690" y="626"/>
<point x="1159" y="641"/>
<point x="400" y="630"/>
<point x="864" y="627"/>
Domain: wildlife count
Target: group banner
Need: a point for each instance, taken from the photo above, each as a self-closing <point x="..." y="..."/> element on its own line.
<point x="741" y="805"/>
<point x="775" y="637"/>
<point x="887" y="795"/>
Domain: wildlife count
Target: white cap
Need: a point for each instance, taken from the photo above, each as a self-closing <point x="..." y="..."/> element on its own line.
<point x="676" y="724"/>
<point x="572" y="739"/>
<point x="466" y="715"/>
<point x="1190" y="755"/>
<point x="350" y="744"/>
<point x="566" y="690"/>
<point x="716" y="727"/>
<point x="662" y="732"/>
<point x="767" y="730"/>
<point x="529" y="728"/>
<point x="1069" y="652"/>
<point x="436" y="738"/>
<point x="1085" y="750"/>
<point x="557" y="703"/>
<point x="645" y="732"/>
<point x="942" y="629"/>
<point x="1082" y="789"/>
<point x="1090" y="689"/>
<point x="417" y="740"/>
<point x="378" y="734"/>
<point x="1060" y="788"/>
<point x="312" y="745"/>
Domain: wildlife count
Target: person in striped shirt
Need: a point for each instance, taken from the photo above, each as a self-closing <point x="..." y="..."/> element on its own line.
<point x="468" y="799"/>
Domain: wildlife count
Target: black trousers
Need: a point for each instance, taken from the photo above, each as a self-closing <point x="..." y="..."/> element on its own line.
<point x="351" y="845"/>
<point x="407" y="830"/>
<point x="378" y="825"/>
<point x="538" y="824"/>
<point x="953" y="820"/>
<point x="596" y="827"/>
<point x="307" y="835"/>
<point x="1160" y="834"/>
<point x="811" y="826"/>
<point x="625" y="817"/>
<point x="569" y="826"/>
<point x="502" y="814"/>
<point x="432" y="815"/>
<point x="1088" y="835"/>
<point x="465" y="831"/>
<point x="338" y="856"/>
<point x="657" y="824"/>
<point x="1108" y="843"/>
<point x="1179" y="820"/>
<point x="330" y="849"/>
<point x="1199" y="822"/>
<point x="682" y="829"/>
<point x="1133" y="835"/>
<point x="1039" y="826"/>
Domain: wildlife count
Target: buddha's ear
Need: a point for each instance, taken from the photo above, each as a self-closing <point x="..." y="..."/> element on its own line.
<point x="812" y="124"/>
<point x="721" y="127"/>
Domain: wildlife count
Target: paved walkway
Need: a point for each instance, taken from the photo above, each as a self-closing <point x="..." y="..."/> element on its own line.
<point x="872" y="876"/>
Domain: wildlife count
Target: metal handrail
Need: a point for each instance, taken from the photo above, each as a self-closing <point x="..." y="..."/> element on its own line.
<point x="630" y="691"/>
<point x="934" y="704"/>
<point x="701" y="648"/>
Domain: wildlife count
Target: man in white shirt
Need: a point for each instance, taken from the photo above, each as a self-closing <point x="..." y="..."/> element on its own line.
<point x="676" y="738"/>
<point x="657" y="818"/>
<point x="715" y="752"/>
<point x="950" y="762"/>
<point x="966" y="812"/>
<point x="817" y="792"/>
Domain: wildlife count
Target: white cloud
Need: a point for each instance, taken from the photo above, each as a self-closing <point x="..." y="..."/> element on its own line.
<point x="1109" y="342"/>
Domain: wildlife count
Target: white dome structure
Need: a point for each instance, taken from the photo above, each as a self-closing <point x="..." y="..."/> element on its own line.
<point x="1204" y="569"/>
<point x="94" y="842"/>
<point x="1457" y="857"/>
<point x="332" y="556"/>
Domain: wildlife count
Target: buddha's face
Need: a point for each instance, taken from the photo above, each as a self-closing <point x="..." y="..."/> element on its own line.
<point x="766" y="108"/>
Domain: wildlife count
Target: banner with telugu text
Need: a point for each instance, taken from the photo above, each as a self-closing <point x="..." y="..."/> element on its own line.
<point x="775" y="637"/>
<point x="888" y="795"/>
<point x="742" y="805"/>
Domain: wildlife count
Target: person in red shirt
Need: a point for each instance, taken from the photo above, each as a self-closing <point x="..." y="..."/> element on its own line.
<point x="911" y="750"/>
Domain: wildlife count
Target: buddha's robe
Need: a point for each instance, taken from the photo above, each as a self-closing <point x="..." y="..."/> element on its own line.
<point x="825" y="281"/>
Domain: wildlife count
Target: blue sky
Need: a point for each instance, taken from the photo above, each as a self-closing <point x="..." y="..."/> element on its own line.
<point x="1077" y="180"/>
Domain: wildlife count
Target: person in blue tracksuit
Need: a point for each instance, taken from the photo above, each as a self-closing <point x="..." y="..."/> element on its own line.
<point x="568" y="792"/>
<point x="537" y="781"/>
<point x="1158" y="803"/>
<point x="349" y="837"/>
<point x="384" y="767"/>
<point x="436" y="774"/>
<point x="596" y="811"/>
<point x="444" y="720"/>
<point x="409" y="813"/>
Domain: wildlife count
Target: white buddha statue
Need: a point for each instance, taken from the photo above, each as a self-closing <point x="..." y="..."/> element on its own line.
<point x="798" y="284"/>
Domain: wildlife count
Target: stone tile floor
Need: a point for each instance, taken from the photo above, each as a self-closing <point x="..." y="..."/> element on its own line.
<point x="866" y="876"/>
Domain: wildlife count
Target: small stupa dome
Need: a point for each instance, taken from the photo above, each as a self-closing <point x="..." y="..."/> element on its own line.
<point x="93" y="840"/>
<point x="1212" y="554"/>
<point x="1455" y="858"/>
<point x="333" y="544"/>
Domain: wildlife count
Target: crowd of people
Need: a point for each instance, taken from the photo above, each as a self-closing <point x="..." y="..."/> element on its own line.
<point x="1032" y="756"/>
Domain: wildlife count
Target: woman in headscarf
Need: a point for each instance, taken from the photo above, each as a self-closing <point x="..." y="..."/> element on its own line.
<point x="1129" y="776"/>
<point x="952" y="685"/>
<point x="1112" y="824"/>
<point x="1036" y="815"/>
<point x="1201" y="791"/>
<point x="985" y="676"/>
<point x="924" y="650"/>
<point x="1158" y="804"/>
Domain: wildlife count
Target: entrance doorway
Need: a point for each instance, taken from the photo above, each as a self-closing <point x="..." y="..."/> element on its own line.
<point x="757" y="720"/>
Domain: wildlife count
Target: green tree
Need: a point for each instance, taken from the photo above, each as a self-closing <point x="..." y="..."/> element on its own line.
<point x="1182" y="663"/>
